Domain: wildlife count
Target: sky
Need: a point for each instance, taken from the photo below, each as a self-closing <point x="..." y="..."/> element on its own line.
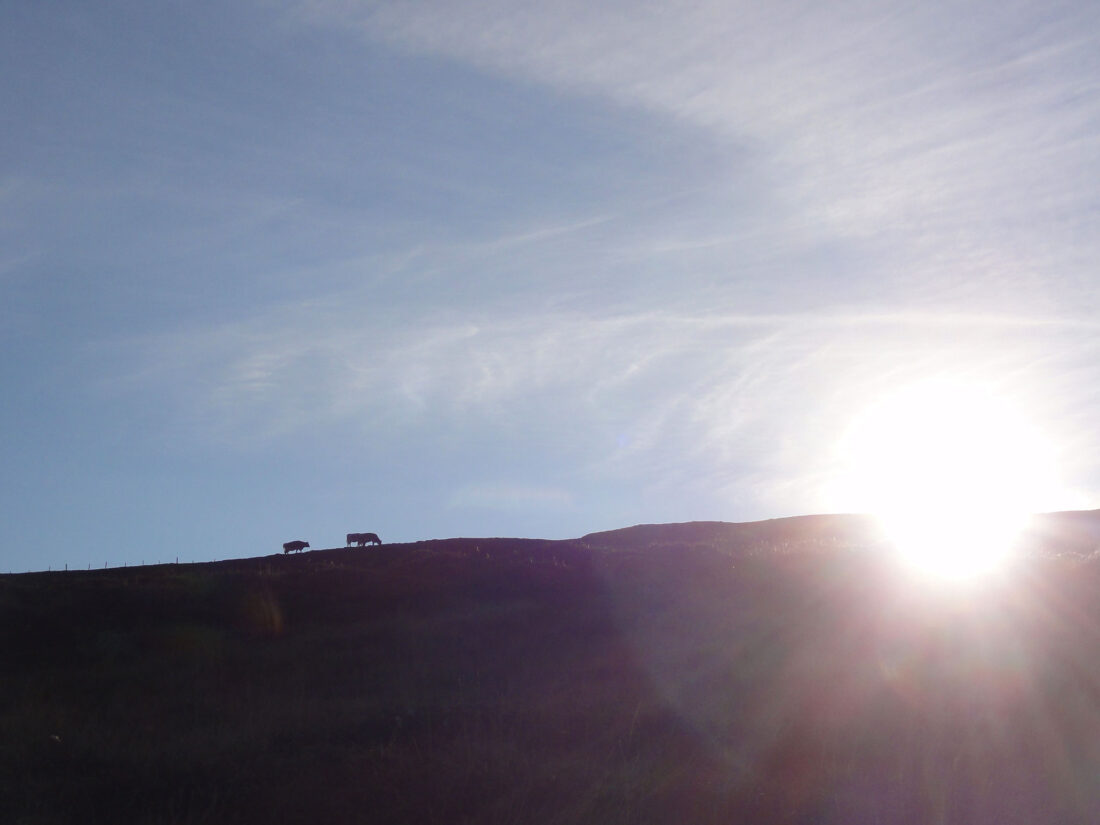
<point x="295" y="268"/>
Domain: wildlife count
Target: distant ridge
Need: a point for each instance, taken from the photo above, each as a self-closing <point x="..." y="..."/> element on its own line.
<point x="1062" y="533"/>
<point x="1070" y="532"/>
<point x="793" y="530"/>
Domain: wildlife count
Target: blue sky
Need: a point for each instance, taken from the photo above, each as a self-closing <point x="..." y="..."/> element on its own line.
<point x="275" y="270"/>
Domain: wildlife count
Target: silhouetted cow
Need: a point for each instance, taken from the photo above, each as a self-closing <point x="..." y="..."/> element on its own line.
<point x="361" y="539"/>
<point x="294" y="546"/>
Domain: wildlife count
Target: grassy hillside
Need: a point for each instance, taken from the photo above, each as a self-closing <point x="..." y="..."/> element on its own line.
<point x="778" y="672"/>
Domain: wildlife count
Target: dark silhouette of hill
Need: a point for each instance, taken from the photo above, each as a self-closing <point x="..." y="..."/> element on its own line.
<point x="795" y="531"/>
<point x="773" y="672"/>
<point x="1073" y="532"/>
<point x="1076" y="533"/>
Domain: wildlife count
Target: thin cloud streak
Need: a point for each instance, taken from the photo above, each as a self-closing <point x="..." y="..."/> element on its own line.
<point x="963" y="143"/>
<point x="748" y="405"/>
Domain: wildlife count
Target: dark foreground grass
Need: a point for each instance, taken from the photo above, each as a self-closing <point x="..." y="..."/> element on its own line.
<point x="501" y="681"/>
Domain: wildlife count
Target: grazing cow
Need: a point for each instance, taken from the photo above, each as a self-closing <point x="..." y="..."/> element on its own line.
<point x="294" y="546"/>
<point x="362" y="539"/>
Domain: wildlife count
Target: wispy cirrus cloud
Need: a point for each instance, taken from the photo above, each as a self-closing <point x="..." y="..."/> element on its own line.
<point x="743" y="408"/>
<point x="957" y="138"/>
<point x="655" y="254"/>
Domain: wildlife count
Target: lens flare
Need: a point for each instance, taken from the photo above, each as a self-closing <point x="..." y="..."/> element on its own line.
<point x="952" y="471"/>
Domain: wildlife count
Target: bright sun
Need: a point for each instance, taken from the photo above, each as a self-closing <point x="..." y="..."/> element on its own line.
<point x="952" y="471"/>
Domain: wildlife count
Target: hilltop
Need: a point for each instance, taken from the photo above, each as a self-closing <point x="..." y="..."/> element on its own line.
<point x="778" y="671"/>
<point x="1072" y="532"/>
<point x="794" y="531"/>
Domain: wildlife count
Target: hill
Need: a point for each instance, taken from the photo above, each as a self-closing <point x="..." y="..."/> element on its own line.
<point x="756" y="536"/>
<point x="779" y="671"/>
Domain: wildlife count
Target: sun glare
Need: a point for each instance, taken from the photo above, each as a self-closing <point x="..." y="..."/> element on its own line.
<point x="952" y="471"/>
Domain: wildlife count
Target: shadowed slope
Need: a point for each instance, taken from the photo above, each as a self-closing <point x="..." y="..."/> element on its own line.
<point x="802" y="531"/>
<point x="778" y="672"/>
